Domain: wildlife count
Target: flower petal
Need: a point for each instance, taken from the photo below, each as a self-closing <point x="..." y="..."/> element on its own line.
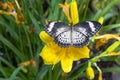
<point x="50" y="54"/>
<point x="101" y="19"/>
<point x="90" y="72"/>
<point x="66" y="64"/>
<point x="74" y="12"/>
<point x="78" y="53"/>
<point x="103" y="39"/>
<point x="65" y="8"/>
<point x="45" y="37"/>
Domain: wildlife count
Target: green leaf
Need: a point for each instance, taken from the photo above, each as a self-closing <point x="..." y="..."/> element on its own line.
<point x="110" y="27"/>
<point x="43" y="71"/>
<point x="11" y="31"/>
<point x="7" y="63"/>
<point x="106" y="9"/>
<point x="11" y="46"/>
<point x="112" y="47"/>
<point x="3" y="79"/>
<point x="112" y="69"/>
<point x="16" y="71"/>
<point x="79" y="72"/>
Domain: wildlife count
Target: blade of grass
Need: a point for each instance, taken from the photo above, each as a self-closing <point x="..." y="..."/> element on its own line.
<point x="78" y="74"/>
<point x="106" y="9"/>
<point x="112" y="69"/>
<point x="43" y="71"/>
<point x="11" y="46"/>
<point x="86" y="9"/>
<point x="34" y="21"/>
<point x="16" y="71"/>
<point x="110" y="15"/>
<point x="7" y="63"/>
<point x="29" y="42"/>
<point x="11" y="31"/>
<point x="31" y="17"/>
<point x="3" y="72"/>
<point x="3" y="79"/>
<point x="109" y="27"/>
<point x="112" y="47"/>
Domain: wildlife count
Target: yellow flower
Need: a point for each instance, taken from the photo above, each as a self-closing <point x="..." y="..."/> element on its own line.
<point x="71" y="11"/>
<point x="90" y="72"/>
<point x="52" y="53"/>
<point x="74" y="12"/>
<point x="65" y="8"/>
<point x="101" y="19"/>
<point x="103" y="39"/>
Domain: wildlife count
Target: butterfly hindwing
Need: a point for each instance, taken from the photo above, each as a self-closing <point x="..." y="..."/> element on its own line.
<point x="64" y="39"/>
<point x="79" y="39"/>
<point x="89" y="28"/>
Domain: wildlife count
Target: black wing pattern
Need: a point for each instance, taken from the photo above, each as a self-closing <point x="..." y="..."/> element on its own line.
<point x="79" y="39"/>
<point x="89" y="28"/>
<point x="77" y="35"/>
<point x="60" y="32"/>
<point x="85" y="30"/>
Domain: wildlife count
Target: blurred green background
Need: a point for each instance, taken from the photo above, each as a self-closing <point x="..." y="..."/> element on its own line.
<point x="19" y="42"/>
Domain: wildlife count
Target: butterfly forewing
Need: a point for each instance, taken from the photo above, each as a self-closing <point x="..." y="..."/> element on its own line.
<point x="55" y="28"/>
<point x="60" y="32"/>
<point x="89" y="28"/>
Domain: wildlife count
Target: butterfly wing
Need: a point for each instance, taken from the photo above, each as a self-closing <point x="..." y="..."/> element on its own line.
<point x="77" y="36"/>
<point x="81" y="32"/>
<point x="79" y="39"/>
<point x="64" y="39"/>
<point x="60" y="32"/>
<point x="89" y="28"/>
<point x="55" y="28"/>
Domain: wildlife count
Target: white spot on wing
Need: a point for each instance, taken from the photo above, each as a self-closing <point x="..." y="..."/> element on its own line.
<point x="82" y="30"/>
<point x="60" y="30"/>
<point x="51" y="25"/>
<point x="91" y="26"/>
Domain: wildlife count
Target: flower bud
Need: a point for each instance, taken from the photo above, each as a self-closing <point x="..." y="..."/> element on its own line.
<point x="90" y="72"/>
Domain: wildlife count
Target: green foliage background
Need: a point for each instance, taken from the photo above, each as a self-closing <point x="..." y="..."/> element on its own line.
<point x="19" y="44"/>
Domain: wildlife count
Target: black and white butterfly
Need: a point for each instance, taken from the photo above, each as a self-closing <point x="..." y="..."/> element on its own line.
<point x="77" y="35"/>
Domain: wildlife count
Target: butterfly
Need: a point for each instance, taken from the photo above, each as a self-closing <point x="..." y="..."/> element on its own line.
<point x="77" y="35"/>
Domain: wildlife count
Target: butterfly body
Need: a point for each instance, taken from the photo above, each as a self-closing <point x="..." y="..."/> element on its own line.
<point x="77" y="35"/>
